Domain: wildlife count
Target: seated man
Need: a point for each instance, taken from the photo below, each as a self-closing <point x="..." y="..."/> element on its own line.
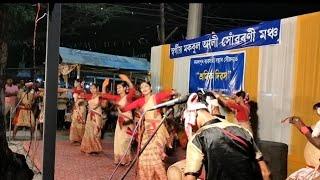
<point x="312" y="148"/>
<point x="226" y="150"/>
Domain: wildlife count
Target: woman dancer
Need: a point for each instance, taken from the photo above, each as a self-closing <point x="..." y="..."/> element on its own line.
<point x="124" y="127"/>
<point x="78" y="116"/>
<point x="91" y="142"/>
<point x="150" y="165"/>
<point x="240" y="106"/>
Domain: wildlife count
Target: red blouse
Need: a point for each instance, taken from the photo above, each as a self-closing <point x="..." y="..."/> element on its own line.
<point x="130" y="96"/>
<point x="75" y="90"/>
<point x="88" y="97"/>
<point x="159" y="97"/>
<point x="242" y="112"/>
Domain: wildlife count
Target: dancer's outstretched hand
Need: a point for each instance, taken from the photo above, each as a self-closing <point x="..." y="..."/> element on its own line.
<point x="106" y="82"/>
<point x="124" y="77"/>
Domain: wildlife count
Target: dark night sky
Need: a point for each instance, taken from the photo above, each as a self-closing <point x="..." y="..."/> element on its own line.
<point x="134" y="33"/>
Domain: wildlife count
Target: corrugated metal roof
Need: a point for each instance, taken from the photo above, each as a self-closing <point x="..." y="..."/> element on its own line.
<point x="75" y="56"/>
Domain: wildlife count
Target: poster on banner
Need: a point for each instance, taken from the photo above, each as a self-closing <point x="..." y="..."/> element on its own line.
<point x="265" y="33"/>
<point x="217" y="72"/>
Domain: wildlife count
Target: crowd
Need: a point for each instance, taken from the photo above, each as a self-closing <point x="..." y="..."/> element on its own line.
<point x="215" y="147"/>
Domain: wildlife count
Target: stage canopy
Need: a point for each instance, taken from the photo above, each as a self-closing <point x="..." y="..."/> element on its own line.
<point x="75" y="56"/>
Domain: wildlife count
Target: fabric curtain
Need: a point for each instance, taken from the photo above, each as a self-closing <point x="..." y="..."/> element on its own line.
<point x="155" y="67"/>
<point x="181" y="73"/>
<point x="167" y="64"/>
<point x="275" y="87"/>
<point x="251" y="71"/>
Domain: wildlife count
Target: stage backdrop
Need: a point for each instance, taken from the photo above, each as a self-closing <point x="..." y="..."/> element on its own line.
<point x="283" y="78"/>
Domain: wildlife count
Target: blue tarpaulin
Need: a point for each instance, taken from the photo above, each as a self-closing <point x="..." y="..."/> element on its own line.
<point x="75" y="56"/>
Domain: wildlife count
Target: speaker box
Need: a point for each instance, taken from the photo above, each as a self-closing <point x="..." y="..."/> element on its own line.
<point x="275" y="154"/>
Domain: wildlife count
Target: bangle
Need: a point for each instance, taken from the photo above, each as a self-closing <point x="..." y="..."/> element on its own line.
<point x="304" y="130"/>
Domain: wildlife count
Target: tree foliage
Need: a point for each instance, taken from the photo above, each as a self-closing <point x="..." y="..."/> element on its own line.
<point x="16" y="21"/>
<point x="83" y="15"/>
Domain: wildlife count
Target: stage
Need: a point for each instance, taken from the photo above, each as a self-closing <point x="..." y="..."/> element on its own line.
<point x="71" y="164"/>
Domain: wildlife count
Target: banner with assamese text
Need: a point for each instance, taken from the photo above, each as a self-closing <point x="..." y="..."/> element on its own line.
<point x="265" y="33"/>
<point x="218" y="72"/>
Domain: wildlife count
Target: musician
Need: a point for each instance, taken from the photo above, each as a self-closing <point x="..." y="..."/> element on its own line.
<point x="24" y="114"/>
<point x="312" y="148"/>
<point x="237" y="158"/>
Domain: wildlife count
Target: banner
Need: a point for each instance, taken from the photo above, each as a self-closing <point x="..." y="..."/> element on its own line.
<point x="219" y="72"/>
<point x="264" y="33"/>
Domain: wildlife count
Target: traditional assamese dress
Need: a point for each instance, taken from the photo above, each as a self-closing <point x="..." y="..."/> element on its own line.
<point x="124" y="128"/>
<point x="242" y="114"/>
<point x="91" y="140"/>
<point x="150" y="165"/>
<point x="78" y="117"/>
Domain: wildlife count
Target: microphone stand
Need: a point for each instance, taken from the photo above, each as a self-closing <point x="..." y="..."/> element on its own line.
<point x="145" y="145"/>
<point x="128" y="148"/>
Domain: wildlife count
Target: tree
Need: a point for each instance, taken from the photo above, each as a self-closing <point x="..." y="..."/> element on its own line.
<point x="14" y="19"/>
<point x="82" y="15"/>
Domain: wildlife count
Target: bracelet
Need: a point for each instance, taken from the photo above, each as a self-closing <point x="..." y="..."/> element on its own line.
<point x="304" y="130"/>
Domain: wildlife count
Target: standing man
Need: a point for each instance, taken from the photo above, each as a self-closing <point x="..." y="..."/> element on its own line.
<point x="11" y="92"/>
<point x="24" y="115"/>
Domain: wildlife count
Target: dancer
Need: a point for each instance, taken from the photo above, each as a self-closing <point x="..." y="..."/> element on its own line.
<point x="125" y="124"/>
<point x="312" y="148"/>
<point x="24" y="114"/>
<point x="78" y="116"/>
<point x="150" y="165"/>
<point x="91" y="141"/>
<point x="240" y="106"/>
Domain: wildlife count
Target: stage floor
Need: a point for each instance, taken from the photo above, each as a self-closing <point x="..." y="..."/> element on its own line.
<point x="71" y="164"/>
